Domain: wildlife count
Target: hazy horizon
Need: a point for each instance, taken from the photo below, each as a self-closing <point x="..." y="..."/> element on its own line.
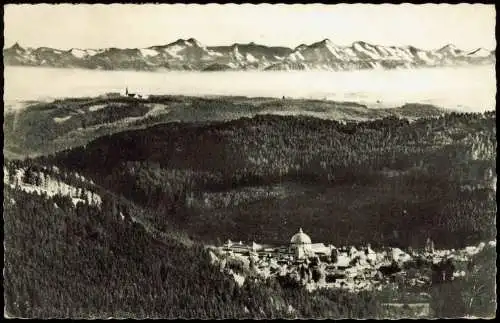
<point x="466" y="88"/>
<point x="429" y="26"/>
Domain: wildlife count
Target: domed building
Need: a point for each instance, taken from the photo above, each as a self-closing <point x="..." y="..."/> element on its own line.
<point x="300" y="245"/>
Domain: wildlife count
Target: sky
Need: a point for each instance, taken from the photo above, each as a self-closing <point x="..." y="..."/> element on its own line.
<point x="430" y="26"/>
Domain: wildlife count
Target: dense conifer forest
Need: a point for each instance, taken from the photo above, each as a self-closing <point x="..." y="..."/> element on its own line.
<point x="84" y="262"/>
<point x="385" y="181"/>
<point x="390" y="181"/>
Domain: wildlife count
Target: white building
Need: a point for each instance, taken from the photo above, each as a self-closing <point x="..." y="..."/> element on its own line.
<point x="300" y="245"/>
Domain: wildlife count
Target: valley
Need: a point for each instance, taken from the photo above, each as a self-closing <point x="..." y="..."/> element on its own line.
<point x="132" y="180"/>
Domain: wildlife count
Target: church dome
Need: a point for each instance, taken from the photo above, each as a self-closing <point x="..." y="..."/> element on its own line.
<point x="300" y="238"/>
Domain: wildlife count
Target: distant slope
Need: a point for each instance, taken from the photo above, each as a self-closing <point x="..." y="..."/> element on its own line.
<point x="258" y="178"/>
<point x="190" y="54"/>
<point x="61" y="124"/>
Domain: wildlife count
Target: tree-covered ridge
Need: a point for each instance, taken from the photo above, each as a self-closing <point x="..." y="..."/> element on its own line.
<point x="274" y="144"/>
<point x="119" y="269"/>
<point x="388" y="181"/>
<point x="351" y="181"/>
<point x="37" y="128"/>
<point x="53" y="249"/>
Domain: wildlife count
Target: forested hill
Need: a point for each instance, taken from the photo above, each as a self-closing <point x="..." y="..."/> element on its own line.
<point x="278" y="143"/>
<point x="441" y="170"/>
<point x="389" y="182"/>
<point x="38" y="128"/>
<point x="93" y="260"/>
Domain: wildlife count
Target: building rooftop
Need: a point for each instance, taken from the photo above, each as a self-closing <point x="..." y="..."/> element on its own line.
<point x="300" y="238"/>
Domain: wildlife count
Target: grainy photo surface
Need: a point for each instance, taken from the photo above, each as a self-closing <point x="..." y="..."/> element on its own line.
<point x="249" y="161"/>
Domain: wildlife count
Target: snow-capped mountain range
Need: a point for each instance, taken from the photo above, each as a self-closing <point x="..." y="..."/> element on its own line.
<point x="189" y="54"/>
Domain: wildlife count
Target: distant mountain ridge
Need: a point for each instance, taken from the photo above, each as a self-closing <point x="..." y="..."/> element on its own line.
<point x="190" y="54"/>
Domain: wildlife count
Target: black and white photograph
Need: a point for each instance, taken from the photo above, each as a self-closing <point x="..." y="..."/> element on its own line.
<point x="249" y="161"/>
